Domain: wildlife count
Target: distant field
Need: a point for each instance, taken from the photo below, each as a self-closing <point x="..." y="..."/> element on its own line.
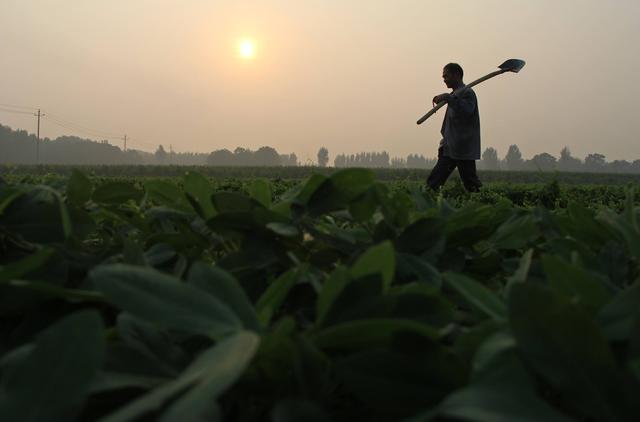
<point x="303" y="172"/>
<point x="528" y="189"/>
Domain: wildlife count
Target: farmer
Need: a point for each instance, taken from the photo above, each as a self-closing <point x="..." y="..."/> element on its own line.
<point x="460" y="144"/>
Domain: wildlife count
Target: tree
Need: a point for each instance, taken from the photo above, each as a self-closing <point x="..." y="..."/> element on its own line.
<point x="290" y="160"/>
<point x="490" y="159"/>
<point x="243" y="157"/>
<point x="323" y="157"/>
<point x="567" y="162"/>
<point x="595" y="162"/>
<point x="620" y="166"/>
<point x="220" y="157"/>
<point x="543" y="162"/>
<point x="513" y="160"/>
<point x="266" y="156"/>
<point x="398" y="163"/>
<point x="161" y="155"/>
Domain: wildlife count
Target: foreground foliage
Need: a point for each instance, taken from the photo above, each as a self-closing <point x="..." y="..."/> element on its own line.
<point x="343" y="299"/>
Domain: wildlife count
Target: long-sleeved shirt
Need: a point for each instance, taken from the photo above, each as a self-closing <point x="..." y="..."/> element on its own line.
<point x="461" y="127"/>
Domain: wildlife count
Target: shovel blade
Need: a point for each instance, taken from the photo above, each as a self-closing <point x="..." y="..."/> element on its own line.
<point x="512" y="65"/>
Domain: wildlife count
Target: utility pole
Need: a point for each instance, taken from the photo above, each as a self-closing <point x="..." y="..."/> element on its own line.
<point x="125" y="143"/>
<point x="38" y="137"/>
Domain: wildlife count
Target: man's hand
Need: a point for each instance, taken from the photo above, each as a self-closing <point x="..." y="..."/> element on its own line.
<point x="442" y="97"/>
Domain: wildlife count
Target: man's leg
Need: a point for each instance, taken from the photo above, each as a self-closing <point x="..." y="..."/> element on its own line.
<point x="441" y="172"/>
<point x="467" y="171"/>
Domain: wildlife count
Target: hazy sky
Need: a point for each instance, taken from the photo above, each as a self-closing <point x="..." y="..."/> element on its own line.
<point x="351" y="75"/>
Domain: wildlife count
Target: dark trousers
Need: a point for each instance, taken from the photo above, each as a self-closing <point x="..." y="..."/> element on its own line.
<point x="445" y="166"/>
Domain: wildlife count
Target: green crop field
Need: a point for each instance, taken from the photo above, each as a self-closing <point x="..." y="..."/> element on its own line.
<point x="355" y="295"/>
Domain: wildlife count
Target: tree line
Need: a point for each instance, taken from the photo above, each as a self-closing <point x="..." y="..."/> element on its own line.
<point x="512" y="161"/>
<point x="19" y="147"/>
<point x="594" y="162"/>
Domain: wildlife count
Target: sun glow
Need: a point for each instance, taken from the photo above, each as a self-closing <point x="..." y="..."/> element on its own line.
<point x="247" y="49"/>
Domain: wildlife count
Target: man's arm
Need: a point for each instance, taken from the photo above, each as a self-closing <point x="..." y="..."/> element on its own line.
<point x="439" y="98"/>
<point x="464" y="103"/>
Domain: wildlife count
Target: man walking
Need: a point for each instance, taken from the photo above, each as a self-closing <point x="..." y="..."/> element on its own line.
<point x="460" y="144"/>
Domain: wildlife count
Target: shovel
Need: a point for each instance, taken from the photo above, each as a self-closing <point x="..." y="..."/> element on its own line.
<point x="511" y="65"/>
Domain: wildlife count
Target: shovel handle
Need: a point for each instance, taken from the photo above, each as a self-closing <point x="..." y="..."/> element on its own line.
<point x="431" y="112"/>
<point x="458" y="91"/>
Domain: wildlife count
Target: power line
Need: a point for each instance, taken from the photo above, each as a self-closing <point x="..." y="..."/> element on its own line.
<point x="79" y="129"/>
<point x="58" y="120"/>
<point x="6" y="110"/>
<point x="18" y="106"/>
<point x="138" y="141"/>
<point x="75" y="127"/>
<point x="84" y="128"/>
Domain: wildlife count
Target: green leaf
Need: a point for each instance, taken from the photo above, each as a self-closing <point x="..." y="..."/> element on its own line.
<point x="575" y="283"/>
<point x="198" y="188"/>
<point x="394" y="382"/>
<point x="521" y="274"/>
<point x="617" y="318"/>
<point x="379" y="259"/>
<point x="211" y="374"/>
<point x="564" y="346"/>
<point x="79" y="187"/>
<point x="290" y="410"/>
<point x="331" y="289"/>
<point x="477" y="295"/>
<point x="395" y="206"/>
<point x="115" y="193"/>
<point x="515" y="233"/>
<point x="274" y="296"/>
<point x="624" y="228"/>
<point x="423" y="303"/>
<point x="229" y="364"/>
<point x="283" y="229"/>
<point x="302" y="194"/>
<point x="358" y="299"/>
<point x="363" y="208"/>
<point x="411" y="268"/>
<point x="29" y="264"/>
<point x="584" y="226"/>
<point x="368" y="333"/>
<point x="156" y="346"/>
<point x="40" y="215"/>
<point x="52" y="381"/>
<point x="481" y="403"/>
<point x="474" y="223"/>
<point x="630" y="210"/>
<point x="166" y="194"/>
<point x="505" y="396"/>
<point x="164" y="300"/>
<point x="65" y="217"/>
<point x="634" y="367"/>
<point x="493" y="349"/>
<point x="233" y="202"/>
<point x="7" y="196"/>
<point x="423" y="235"/>
<point x="223" y="286"/>
<point x="53" y="291"/>
<point x="339" y="190"/>
<point x="260" y="190"/>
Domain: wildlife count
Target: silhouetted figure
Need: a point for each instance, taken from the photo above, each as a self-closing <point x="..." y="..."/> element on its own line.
<point x="460" y="144"/>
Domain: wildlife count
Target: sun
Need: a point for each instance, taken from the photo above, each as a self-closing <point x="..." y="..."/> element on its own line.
<point x="247" y="49"/>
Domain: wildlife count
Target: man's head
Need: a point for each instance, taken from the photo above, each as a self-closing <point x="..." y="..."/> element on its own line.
<point x="452" y="75"/>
